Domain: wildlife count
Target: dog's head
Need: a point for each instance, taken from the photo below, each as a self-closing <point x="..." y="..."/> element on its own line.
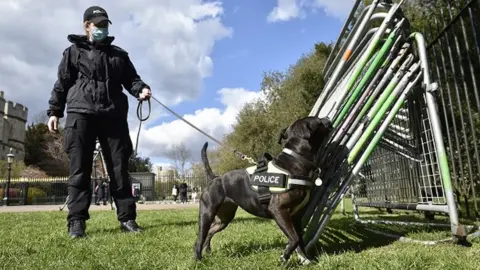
<point x="310" y="129"/>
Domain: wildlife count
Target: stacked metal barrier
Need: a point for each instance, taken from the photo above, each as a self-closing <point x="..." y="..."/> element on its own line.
<point x="378" y="88"/>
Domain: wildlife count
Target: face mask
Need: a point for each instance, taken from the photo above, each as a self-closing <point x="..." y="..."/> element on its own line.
<point x="99" y="33"/>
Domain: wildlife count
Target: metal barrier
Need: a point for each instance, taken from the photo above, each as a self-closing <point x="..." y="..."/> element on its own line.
<point x="388" y="143"/>
<point x="393" y="181"/>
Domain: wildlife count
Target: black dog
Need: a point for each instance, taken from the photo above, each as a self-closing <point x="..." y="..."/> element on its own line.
<point x="221" y="198"/>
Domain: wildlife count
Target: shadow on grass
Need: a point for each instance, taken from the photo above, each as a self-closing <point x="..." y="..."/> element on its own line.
<point x="159" y="223"/>
<point x="340" y="236"/>
<point x="343" y="235"/>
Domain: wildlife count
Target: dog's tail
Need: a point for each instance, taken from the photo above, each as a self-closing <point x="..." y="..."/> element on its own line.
<point x="206" y="164"/>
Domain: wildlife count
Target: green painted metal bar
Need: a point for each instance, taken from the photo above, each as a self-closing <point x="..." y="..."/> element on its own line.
<point x="379" y="59"/>
<point x="383" y="105"/>
<point x="397" y="101"/>
<point x="379" y="114"/>
<point x="362" y="61"/>
<point x="347" y="124"/>
<point x="309" y="209"/>
<point x="345" y="58"/>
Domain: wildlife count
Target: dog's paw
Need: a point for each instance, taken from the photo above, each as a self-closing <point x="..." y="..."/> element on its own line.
<point x="282" y="259"/>
<point x="304" y="261"/>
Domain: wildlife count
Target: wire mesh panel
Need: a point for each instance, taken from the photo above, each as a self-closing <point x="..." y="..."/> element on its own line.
<point x="403" y="170"/>
<point x="453" y="34"/>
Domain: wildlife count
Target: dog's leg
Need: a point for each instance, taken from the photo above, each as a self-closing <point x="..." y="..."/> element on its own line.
<point x="302" y="254"/>
<point x="209" y="203"/>
<point x="205" y="218"/>
<point x="284" y="221"/>
<point x="225" y="215"/>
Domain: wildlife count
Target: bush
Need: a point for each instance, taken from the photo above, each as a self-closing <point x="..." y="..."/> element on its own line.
<point x="12" y="192"/>
<point x="34" y="192"/>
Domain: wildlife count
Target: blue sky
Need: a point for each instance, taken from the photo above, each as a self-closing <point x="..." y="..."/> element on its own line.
<point x="257" y="46"/>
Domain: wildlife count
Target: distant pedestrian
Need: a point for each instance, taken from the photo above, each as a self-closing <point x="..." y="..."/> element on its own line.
<point x="175" y="192"/>
<point x="183" y="192"/>
<point x="194" y="194"/>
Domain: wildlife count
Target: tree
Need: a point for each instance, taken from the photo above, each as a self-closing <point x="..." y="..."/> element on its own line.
<point x="45" y="150"/>
<point x="33" y="172"/>
<point x="180" y="156"/>
<point x="57" y="162"/>
<point x="35" y="144"/>
<point x="289" y="96"/>
<point x="17" y="168"/>
<point x="139" y="164"/>
<point x="197" y="168"/>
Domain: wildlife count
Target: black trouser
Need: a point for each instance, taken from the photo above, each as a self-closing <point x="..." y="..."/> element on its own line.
<point x="183" y="196"/>
<point x="81" y="131"/>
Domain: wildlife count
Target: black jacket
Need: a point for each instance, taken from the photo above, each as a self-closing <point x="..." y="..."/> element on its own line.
<point x="90" y="79"/>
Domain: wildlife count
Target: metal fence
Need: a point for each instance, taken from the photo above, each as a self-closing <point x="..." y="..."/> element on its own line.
<point x="454" y="51"/>
<point x="36" y="191"/>
<point x="404" y="173"/>
<point x="53" y="190"/>
<point x="164" y="185"/>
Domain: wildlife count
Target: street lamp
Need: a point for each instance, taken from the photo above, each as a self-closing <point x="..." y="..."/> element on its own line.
<point x="10" y="157"/>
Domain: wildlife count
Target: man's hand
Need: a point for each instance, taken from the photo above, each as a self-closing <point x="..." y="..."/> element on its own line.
<point x="145" y="94"/>
<point x="53" y="124"/>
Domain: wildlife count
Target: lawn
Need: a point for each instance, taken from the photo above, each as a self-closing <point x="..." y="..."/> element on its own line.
<point x="39" y="241"/>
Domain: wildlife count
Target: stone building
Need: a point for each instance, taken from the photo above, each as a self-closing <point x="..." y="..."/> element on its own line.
<point x="13" y="120"/>
<point x="164" y="174"/>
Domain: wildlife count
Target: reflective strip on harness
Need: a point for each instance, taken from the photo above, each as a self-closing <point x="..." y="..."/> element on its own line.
<point x="301" y="182"/>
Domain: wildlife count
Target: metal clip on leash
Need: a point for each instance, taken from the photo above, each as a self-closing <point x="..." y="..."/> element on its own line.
<point x="139" y="116"/>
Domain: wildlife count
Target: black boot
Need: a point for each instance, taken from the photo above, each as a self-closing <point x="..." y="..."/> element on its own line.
<point x="130" y="226"/>
<point x="76" y="228"/>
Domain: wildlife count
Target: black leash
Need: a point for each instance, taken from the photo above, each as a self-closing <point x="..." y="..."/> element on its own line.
<point x="141" y="119"/>
<point x="139" y="116"/>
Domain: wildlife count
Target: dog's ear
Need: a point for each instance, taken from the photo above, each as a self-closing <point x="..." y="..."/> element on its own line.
<point x="281" y="136"/>
<point x="316" y="123"/>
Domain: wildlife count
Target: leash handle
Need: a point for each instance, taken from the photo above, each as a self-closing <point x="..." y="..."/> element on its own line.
<point x="141" y="119"/>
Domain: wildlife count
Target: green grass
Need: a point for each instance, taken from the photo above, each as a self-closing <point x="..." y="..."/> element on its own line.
<point x="39" y="241"/>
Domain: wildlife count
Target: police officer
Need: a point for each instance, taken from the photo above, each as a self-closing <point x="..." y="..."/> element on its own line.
<point x="90" y="79"/>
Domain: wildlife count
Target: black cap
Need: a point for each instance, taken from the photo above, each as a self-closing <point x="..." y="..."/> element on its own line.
<point x="95" y="14"/>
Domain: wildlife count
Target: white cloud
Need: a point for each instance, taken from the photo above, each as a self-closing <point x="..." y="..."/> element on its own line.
<point x="286" y="10"/>
<point x="156" y="141"/>
<point x="170" y="43"/>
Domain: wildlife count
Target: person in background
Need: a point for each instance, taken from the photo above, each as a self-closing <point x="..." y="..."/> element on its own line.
<point x="102" y="193"/>
<point x="175" y="192"/>
<point x="183" y="192"/>
<point x="91" y="78"/>
<point x="194" y="194"/>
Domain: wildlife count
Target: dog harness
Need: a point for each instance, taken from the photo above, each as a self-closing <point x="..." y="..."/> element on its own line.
<point x="266" y="179"/>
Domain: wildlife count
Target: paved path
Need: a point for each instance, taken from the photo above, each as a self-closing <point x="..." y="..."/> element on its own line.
<point x="39" y="208"/>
